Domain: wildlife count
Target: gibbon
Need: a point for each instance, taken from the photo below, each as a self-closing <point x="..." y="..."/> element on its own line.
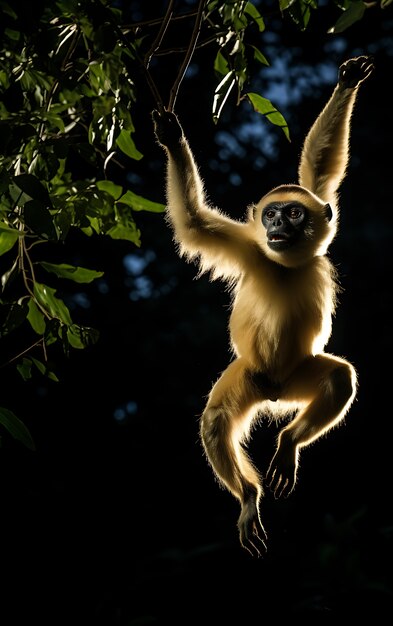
<point x="284" y="290"/>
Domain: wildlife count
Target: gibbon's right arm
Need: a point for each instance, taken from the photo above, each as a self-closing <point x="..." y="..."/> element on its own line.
<point x="200" y="230"/>
<point x="325" y="153"/>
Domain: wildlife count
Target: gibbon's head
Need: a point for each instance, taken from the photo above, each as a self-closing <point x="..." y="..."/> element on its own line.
<point x="292" y="225"/>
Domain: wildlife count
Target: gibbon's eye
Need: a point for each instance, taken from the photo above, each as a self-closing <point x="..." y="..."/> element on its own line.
<point x="294" y="213"/>
<point x="269" y="214"/>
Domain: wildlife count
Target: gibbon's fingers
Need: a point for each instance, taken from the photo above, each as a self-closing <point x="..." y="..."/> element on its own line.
<point x="354" y="71"/>
<point x="368" y="67"/>
<point x="156" y="115"/>
<point x="167" y="128"/>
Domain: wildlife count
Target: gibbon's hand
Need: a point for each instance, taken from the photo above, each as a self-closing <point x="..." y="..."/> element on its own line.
<point x="167" y="128"/>
<point x="355" y="71"/>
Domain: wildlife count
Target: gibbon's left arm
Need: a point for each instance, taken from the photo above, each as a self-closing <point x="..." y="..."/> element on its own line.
<point x="325" y="152"/>
<point x="221" y="243"/>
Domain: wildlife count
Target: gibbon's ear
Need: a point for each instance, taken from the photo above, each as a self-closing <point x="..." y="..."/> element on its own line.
<point x="328" y="212"/>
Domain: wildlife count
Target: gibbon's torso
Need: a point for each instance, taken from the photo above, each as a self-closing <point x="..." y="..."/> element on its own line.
<point x="282" y="315"/>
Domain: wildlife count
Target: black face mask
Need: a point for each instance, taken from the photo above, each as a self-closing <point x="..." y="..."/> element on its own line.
<point x="284" y="223"/>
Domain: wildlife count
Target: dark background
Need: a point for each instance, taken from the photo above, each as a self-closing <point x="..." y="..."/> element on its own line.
<point x="116" y="518"/>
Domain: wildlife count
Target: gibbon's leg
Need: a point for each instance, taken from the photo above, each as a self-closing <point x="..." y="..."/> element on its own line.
<point x="327" y="385"/>
<point x="225" y="425"/>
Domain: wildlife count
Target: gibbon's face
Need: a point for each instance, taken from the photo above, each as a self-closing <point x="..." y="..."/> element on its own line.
<point x="284" y="223"/>
<point x="292" y="225"/>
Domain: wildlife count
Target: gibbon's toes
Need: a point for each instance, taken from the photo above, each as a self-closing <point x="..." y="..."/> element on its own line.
<point x="253" y="548"/>
<point x="277" y="486"/>
<point x="253" y="536"/>
<point x="270" y="477"/>
<point x="285" y="488"/>
<point x="254" y="544"/>
<point x="279" y="483"/>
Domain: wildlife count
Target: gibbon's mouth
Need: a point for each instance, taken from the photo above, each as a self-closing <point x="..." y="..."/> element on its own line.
<point x="279" y="241"/>
<point x="279" y="237"/>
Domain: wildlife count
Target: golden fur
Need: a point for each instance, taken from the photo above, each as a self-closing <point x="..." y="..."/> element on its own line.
<point x="282" y="307"/>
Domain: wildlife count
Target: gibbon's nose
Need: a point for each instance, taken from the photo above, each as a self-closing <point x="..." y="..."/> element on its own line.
<point x="278" y="219"/>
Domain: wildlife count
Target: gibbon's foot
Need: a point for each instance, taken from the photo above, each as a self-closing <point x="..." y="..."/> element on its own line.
<point x="281" y="474"/>
<point x="167" y="128"/>
<point x="252" y="533"/>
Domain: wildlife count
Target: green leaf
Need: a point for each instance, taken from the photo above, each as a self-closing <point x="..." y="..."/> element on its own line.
<point x="36" y="318"/>
<point x="37" y="217"/>
<point x="8" y="10"/>
<point x="353" y="14"/>
<point x="24" y="368"/>
<point x="256" y="16"/>
<point x="300" y="12"/>
<point x="33" y="188"/>
<point x="5" y="179"/>
<point x="52" y="331"/>
<point x="43" y="369"/>
<point x="4" y="79"/>
<point x="63" y="223"/>
<point x="39" y="365"/>
<point x="9" y="229"/>
<point x="221" y="94"/>
<point x="264" y="106"/>
<point x="54" y="306"/>
<point x="5" y="136"/>
<point x="8" y="239"/>
<point x="16" y="428"/>
<point x="126" y="144"/>
<point x="77" y="274"/>
<point x="129" y="233"/>
<point x="82" y="336"/>
<point x="221" y="64"/>
<point x="258" y="56"/>
<point x="138" y="203"/>
<point x="12" y="34"/>
<point x="10" y="274"/>
<point x="107" y="185"/>
<point x="284" y="4"/>
<point x="12" y="315"/>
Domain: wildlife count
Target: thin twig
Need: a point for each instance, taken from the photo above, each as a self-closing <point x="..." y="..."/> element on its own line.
<point x="14" y="358"/>
<point x="161" y="33"/>
<point x="187" y="58"/>
<point x="134" y="51"/>
<point x="201" y="44"/>
<point x="158" y="20"/>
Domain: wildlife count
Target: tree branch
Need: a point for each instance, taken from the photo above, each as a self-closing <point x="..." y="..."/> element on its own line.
<point x="158" y="40"/>
<point x="188" y="57"/>
<point x="175" y="18"/>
